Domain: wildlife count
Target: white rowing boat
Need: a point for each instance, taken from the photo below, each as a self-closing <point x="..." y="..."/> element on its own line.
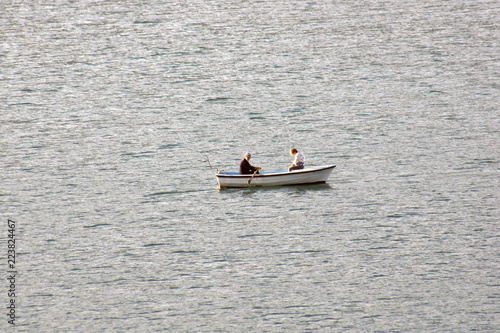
<point x="313" y="175"/>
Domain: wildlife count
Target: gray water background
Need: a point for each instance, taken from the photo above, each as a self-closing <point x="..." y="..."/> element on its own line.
<point x="108" y="109"/>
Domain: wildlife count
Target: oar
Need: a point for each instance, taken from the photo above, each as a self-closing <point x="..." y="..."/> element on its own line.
<point x="248" y="182"/>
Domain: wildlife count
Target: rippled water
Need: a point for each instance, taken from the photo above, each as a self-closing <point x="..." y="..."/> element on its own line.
<point x="108" y="109"/>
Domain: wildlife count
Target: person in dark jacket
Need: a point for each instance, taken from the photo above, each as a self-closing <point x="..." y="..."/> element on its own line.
<point x="246" y="168"/>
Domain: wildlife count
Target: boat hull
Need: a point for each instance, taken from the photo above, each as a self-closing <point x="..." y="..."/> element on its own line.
<point x="315" y="175"/>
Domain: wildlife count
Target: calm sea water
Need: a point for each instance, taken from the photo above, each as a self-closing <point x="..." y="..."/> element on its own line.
<point x="108" y="109"/>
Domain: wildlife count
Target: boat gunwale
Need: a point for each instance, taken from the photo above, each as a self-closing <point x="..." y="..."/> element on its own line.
<point x="277" y="174"/>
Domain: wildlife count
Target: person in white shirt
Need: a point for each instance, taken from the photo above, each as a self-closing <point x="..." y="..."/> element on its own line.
<point x="298" y="162"/>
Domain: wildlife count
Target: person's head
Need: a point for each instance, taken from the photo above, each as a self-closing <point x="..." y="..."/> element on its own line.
<point x="248" y="156"/>
<point x="293" y="151"/>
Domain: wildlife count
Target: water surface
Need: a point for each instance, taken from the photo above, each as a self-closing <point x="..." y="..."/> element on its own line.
<point x="109" y="108"/>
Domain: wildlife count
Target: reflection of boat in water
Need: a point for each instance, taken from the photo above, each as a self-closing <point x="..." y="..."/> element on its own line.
<point x="313" y="175"/>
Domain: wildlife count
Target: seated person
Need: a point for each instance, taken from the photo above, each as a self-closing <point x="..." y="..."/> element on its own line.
<point x="298" y="162"/>
<point x="246" y="168"/>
